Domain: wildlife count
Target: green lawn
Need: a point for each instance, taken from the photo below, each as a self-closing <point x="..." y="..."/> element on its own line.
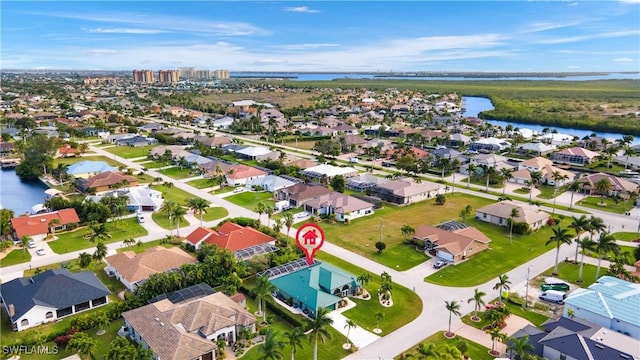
<point x="611" y="205"/>
<point x="602" y="166"/>
<point x="201" y="183"/>
<point x="223" y="190"/>
<point x="549" y="192"/>
<point x="480" y="182"/>
<point x="250" y="199"/>
<point x="361" y="234"/>
<point x="626" y="236"/>
<point x="475" y="352"/>
<point x="172" y="193"/>
<point x="71" y="161"/>
<point x="74" y="240"/>
<point x="141" y="247"/>
<point x="152" y="164"/>
<point x="177" y="173"/>
<point x="16" y="256"/>
<point x="301" y="144"/>
<point x="498" y="259"/>
<point x="522" y="190"/>
<point x="569" y="271"/>
<point x="406" y="304"/>
<point x="162" y="220"/>
<point x="534" y="317"/>
<point x="128" y="152"/>
<point x="214" y="213"/>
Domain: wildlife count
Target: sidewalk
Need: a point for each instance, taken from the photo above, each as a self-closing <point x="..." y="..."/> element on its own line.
<point x="514" y="323"/>
<point x="358" y="336"/>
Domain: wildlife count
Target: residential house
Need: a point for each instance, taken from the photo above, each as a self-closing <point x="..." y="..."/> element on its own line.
<point x="213" y="141"/>
<point x="500" y="213"/>
<point x="188" y="329"/>
<point x="240" y="174"/>
<point x="252" y="152"/>
<point x="39" y="225"/>
<point x="51" y="295"/>
<point x="310" y="288"/>
<point x="451" y="241"/>
<point x="536" y="149"/>
<point x="216" y="167"/>
<point x="458" y="140"/>
<point x="270" y="183"/>
<point x="548" y="171"/>
<point x="574" y="156"/>
<point x="300" y="194"/>
<point x="404" y="191"/>
<point x="344" y="130"/>
<point x="576" y="339"/>
<point x="106" y="181"/>
<point x="362" y="182"/>
<point x="620" y="188"/>
<point x="140" y="197"/>
<point x="329" y="171"/>
<point x="6" y="148"/>
<point x="223" y="123"/>
<point x="136" y="141"/>
<point x="87" y="168"/>
<point x="67" y="151"/>
<point x="152" y="127"/>
<point x="490" y="144"/>
<point x="345" y="207"/>
<point x="301" y="163"/>
<point x="629" y="162"/>
<point x="133" y="269"/>
<point x="230" y="236"/>
<point x="557" y="139"/>
<point x="609" y="302"/>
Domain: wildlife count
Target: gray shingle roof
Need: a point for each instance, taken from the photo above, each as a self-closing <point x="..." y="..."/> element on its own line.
<point x="57" y="288"/>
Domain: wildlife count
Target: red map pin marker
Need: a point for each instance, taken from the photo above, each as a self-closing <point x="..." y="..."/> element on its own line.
<point x="310" y="239"/>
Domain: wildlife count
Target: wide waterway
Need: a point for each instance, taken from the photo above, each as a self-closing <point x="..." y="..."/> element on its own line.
<point x="475" y="105"/>
<point x="337" y="76"/>
<point x="19" y="195"/>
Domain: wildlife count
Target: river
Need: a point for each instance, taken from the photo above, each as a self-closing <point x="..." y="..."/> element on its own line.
<point x="475" y="105"/>
<point x="303" y="76"/>
<point x="19" y="195"/>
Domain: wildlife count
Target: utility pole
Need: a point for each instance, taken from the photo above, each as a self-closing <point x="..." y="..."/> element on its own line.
<point x="526" y="291"/>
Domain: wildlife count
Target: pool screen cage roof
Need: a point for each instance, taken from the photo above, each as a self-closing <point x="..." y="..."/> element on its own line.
<point x="287" y="268"/>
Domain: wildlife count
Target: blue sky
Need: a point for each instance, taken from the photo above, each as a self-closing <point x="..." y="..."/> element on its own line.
<point x="503" y="36"/>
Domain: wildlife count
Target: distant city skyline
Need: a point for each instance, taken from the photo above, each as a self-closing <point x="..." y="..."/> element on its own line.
<point x="475" y="36"/>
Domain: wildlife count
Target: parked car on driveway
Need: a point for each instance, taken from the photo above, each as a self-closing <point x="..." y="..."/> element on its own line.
<point x="31" y="244"/>
<point x="555" y="286"/>
<point x="40" y="252"/>
<point x="439" y="264"/>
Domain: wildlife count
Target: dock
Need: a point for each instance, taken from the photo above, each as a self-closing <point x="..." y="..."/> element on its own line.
<point x="9" y="163"/>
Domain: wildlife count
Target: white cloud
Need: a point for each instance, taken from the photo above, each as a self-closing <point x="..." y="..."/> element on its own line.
<point x="301" y="9"/>
<point x="571" y="39"/>
<point x="630" y="1"/>
<point x="573" y="67"/>
<point x="304" y="46"/>
<point x="546" y="26"/>
<point x="624" y="60"/>
<point x="125" y="31"/>
<point x="102" y="52"/>
<point x="574" y="4"/>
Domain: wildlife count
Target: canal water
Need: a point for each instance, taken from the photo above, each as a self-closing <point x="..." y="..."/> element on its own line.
<point x="475" y="105"/>
<point x="19" y="195"/>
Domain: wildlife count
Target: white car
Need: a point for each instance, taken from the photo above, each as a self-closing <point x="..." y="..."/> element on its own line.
<point x="301" y="215"/>
<point x="40" y="252"/>
<point x="31" y="244"/>
<point x="238" y="189"/>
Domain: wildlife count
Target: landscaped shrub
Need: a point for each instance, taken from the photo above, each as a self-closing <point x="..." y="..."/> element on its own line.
<point x="63" y="340"/>
<point x="521" y="228"/>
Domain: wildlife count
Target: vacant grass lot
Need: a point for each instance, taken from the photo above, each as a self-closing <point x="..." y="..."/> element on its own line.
<point x="71" y="161"/>
<point x="129" y="152"/>
<point x="569" y="271"/>
<point x="361" y="234"/>
<point x="172" y="193"/>
<point x="306" y="144"/>
<point x="152" y="164"/>
<point x="549" y="192"/>
<point x="177" y="173"/>
<point x="475" y="352"/>
<point x="74" y="240"/>
<point x="16" y="256"/>
<point x="202" y="183"/>
<point x="610" y="205"/>
<point x="498" y="259"/>
<point x="250" y="199"/>
<point x="626" y="236"/>
<point x="162" y="220"/>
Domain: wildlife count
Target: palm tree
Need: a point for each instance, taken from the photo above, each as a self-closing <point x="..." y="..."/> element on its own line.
<point x="477" y="299"/>
<point x="277" y="225"/>
<point x="573" y="187"/>
<point x="505" y="173"/>
<point x="603" y="187"/>
<point x="379" y="315"/>
<point x="495" y="334"/>
<point x="99" y="232"/>
<point x="101" y="251"/>
<point x="606" y="244"/>
<point x="557" y="176"/>
<point x="585" y="244"/>
<point x="490" y="172"/>
<point x="536" y="177"/>
<point x="83" y="344"/>
<point x="528" y="184"/>
<point x="261" y="208"/>
<point x="167" y="208"/>
<point x="270" y="349"/>
<point x="348" y="325"/>
<point x="520" y="346"/>
<point x="320" y="328"/>
<point x="465" y="213"/>
<point x="426" y="351"/>
<point x="294" y="340"/>
<point x="288" y="221"/>
<point x="579" y="225"/>
<point x="454" y="309"/>
<point x="262" y="290"/>
<point x="84" y="259"/>
<point x="449" y="352"/>
<point x="512" y="216"/>
<point x="199" y="206"/>
<point x="269" y="211"/>
<point x="24" y="242"/>
<point x="560" y="236"/>
<point x="471" y="170"/>
<point x="177" y="214"/>
<point x="596" y="225"/>
<point x="407" y="231"/>
<point x="502" y="284"/>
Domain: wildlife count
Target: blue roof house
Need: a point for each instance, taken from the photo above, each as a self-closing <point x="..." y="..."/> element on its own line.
<point x="318" y="286"/>
<point x="610" y="302"/>
<point x="51" y="295"/>
<point x="87" y="168"/>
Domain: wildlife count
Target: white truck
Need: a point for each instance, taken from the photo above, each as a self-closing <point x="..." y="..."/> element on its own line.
<point x="554" y="296"/>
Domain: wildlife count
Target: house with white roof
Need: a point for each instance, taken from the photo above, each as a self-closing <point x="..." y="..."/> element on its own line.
<point x="490" y="144"/>
<point x="557" y="139"/>
<point x="138" y="197"/>
<point x="270" y="183"/>
<point x="610" y="302"/>
<point x="330" y="171"/>
<point x="253" y="152"/>
<point x="536" y="148"/>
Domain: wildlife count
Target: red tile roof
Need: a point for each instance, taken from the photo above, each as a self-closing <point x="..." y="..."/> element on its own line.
<point x="39" y="224"/>
<point x="244" y="171"/>
<point x="199" y="234"/>
<point x="230" y="236"/>
<point x="109" y="178"/>
<point x="67" y="149"/>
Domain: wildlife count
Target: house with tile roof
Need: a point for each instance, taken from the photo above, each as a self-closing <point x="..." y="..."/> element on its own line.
<point x="546" y="168"/>
<point x="574" y="156"/>
<point x="51" y="295"/>
<point x="106" y="181"/>
<point x="609" y="302"/>
<point x="500" y="213"/>
<point x="536" y="149"/>
<point x="67" y="151"/>
<point x="620" y="187"/>
<point x="240" y="174"/>
<point x="87" y="168"/>
<point x="345" y="207"/>
<point x="321" y="285"/>
<point x="300" y="194"/>
<point x="188" y="329"/>
<point x="139" y="197"/>
<point x="230" y="236"/>
<point x="404" y="191"/>
<point x="133" y="269"/>
<point x="451" y="244"/>
<point x="39" y="225"/>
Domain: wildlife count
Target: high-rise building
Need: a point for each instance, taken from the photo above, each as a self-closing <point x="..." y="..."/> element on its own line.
<point x="143" y="76"/>
<point x="168" y="76"/>
<point x="186" y="73"/>
<point x="203" y="75"/>
<point x="222" y="75"/>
